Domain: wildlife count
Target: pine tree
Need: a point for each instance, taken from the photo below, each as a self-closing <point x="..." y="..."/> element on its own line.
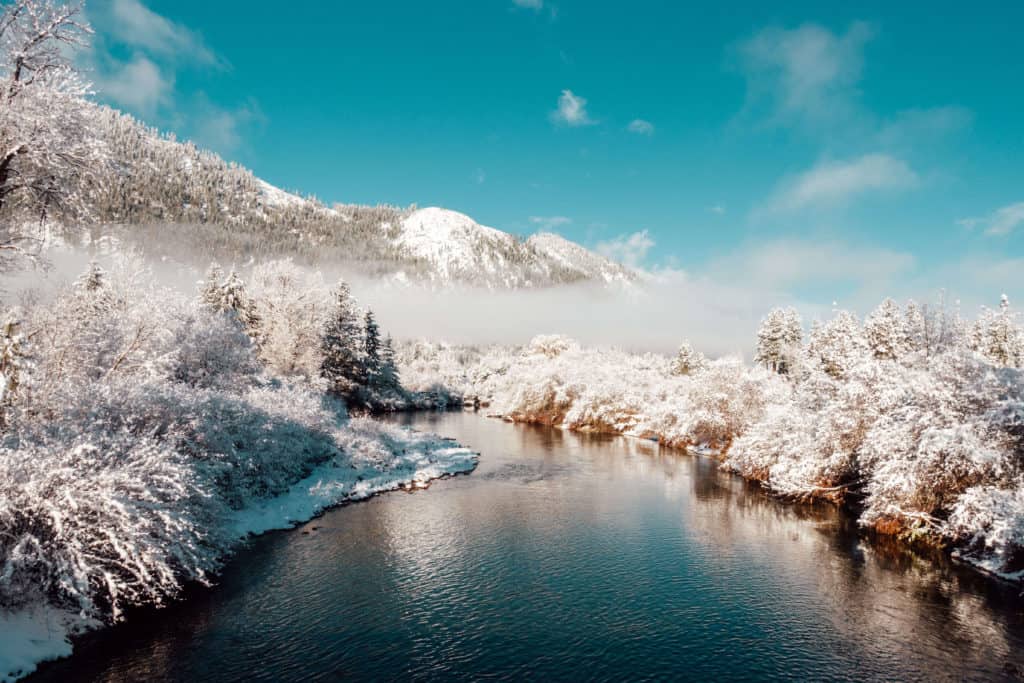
<point x="687" y="360"/>
<point x="342" y="346"/>
<point x="389" y="377"/>
<point x="998" y="337"/>
<point x="93" y="280"/>
<point x="838" y="345"/>
<point x="371" y="351"/>
<point x="209" y="288"/>
<point x="779" y="339"/>
<point x="229" y="296"/>
<point x="885" y="331"/>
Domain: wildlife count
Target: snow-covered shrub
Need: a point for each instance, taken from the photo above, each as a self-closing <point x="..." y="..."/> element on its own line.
<point x="211" y="351"/>
<point x="551" y="345"/>
<point x="101" y="522"/>
<point x="989" y="522"/>
<point x="143" y="424"/>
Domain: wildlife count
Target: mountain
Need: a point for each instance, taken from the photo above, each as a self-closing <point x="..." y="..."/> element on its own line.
<point x="172" y="199"/>
<point x="459" y="249"/>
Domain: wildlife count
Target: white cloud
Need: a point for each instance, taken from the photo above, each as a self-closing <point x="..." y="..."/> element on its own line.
<point x="629" y="250"/>
<point x="529" y="4"/>
<point x="222" y="129"/>
<point x="806" y="72"/>
<point x="717" y="209"/>
<point x="480" y="176"/>
<point x="572" y="110"/>
<point x="831" y="183"/>
<point x="640" y="127"/>
<point x="138" y="84"/>
<point x="1002" y="221"/>
<point x="135" y="24"/>
<point x="784" y="263"/>
<point x="914" y="125"/>
<point x="550" y="222"/>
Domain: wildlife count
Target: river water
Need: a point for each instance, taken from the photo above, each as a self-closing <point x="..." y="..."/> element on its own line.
<point x="575" y="557"/>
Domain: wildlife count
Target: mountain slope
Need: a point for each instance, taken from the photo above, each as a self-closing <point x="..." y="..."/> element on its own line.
<point x="170" y="198"/>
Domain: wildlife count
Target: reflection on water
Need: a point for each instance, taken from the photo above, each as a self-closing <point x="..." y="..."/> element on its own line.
<point x="571" y="556"/>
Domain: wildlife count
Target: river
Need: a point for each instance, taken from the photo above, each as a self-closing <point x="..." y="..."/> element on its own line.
<point x="570" y="556"/>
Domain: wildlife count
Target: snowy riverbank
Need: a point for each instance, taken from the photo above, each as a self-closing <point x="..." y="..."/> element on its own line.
<point x="377" y="458"/>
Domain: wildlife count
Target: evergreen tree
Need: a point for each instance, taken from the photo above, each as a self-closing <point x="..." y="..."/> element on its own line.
<point x="779" y="339"/>
<point x="229" y="296"/>
<point x="687" y="360"/>
<point x="998" y="337"/>
<point x="838" y="345"/>
<point x="93" y="280"/>
<point x="209" y="288"/>
<point x="885" y="331"/>
<point x="342" y="346"/>
<point x="389" y="377"/>
<point x="371" y="351"/>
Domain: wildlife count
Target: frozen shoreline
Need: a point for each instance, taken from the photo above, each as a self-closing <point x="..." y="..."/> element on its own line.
<point x="42" y="633"/>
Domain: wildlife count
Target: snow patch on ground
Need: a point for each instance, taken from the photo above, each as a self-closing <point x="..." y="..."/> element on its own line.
<point x="426" y="457"/>
<point x="36" y="635"/>
<point x="278" y="198"/>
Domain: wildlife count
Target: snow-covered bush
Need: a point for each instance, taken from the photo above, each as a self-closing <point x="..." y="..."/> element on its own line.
<point x="989" y="522"/>
<point x="144" y="422"/>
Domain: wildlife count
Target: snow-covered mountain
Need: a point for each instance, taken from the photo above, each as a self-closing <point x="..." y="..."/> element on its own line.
<point x="458" y="249"/>
<point x="172" y="199"/>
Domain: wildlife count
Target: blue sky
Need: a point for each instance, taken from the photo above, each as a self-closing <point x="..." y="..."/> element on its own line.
<point x="839" y="152"/>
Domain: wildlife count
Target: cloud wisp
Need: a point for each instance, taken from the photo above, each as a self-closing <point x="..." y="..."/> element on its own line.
<point x="1002" y="221"/>
<point x="549" y="222"/>
<point x="833" y="183"/>
<point x="629" y="250"/>
<point x="806" y="74"/>
<point x="640" y="127"/>
<point x="572" y="110"/>
<point x="136" y="25"/>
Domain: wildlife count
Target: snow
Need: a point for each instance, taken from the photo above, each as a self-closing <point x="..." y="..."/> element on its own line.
<point x="277" y="198"/>
<point x="574" y="257"/>
<point x="424" y="458"/>
<point x="457" y="248"/>
<point x="454" y="243"/>
<point x="31" y="636"/>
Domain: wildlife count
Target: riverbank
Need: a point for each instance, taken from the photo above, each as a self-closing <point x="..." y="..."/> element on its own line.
<point x="566" y="552"/>
<point x="928" y="445"/>
<point x="373" y="458"/>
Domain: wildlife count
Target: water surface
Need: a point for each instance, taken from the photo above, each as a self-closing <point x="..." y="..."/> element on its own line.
<point x="575" y="557"/>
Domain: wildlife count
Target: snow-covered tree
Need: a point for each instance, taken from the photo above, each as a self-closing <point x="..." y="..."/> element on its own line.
<point x="231" y="298"/>
<point x="885" y="331"/>
<point x="13" y="358"/>
<point x="342" y="346"/>
<point x="779" y="340"/>
<point x="838" y="345"/>
<point x="998" y="336"/>
<point x="389" y="377"/>
<point x="93" y="279"/>
<point x="293" y="306"/>
<point x="687" y="360"/>
<point x="371" y="349"/>
<point x="209" y="286"/>
<point x="46" y="155"/>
